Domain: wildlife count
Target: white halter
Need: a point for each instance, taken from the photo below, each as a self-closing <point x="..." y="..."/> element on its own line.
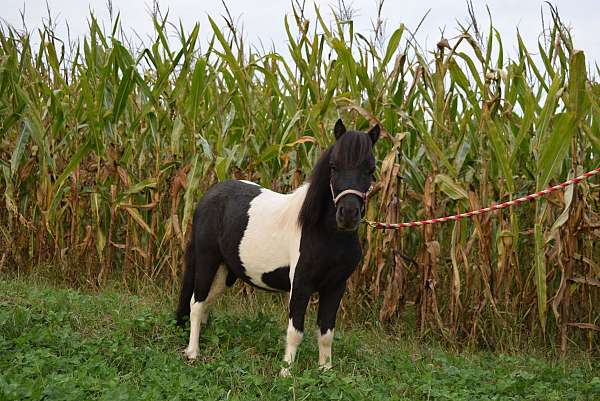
<point x="361" y="195"/>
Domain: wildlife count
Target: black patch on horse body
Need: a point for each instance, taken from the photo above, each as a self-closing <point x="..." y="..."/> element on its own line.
<point x="278" y="279"/>
<point x="236" y="197"/>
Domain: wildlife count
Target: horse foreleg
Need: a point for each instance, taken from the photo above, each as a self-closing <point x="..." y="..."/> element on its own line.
<point x="298" y="302"/>
<point x="329" y="302"/>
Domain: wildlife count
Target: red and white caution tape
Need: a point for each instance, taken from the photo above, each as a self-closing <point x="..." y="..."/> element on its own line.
<point x="397" y="226"/>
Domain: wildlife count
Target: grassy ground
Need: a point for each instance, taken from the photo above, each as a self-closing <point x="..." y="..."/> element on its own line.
<point x="59" y="343"/>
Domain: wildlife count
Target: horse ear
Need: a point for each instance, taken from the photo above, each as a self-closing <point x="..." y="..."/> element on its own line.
<point x="374" y="133"/>
<point x="339" y="129"/>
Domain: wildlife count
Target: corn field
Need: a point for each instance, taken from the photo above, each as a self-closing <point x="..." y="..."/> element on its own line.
<point x="106" y="148"/>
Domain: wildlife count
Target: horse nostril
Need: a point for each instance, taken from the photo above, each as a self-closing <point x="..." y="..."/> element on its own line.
<point x="348" y="212"/>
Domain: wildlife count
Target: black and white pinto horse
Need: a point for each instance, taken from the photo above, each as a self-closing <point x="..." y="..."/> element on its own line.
<point x="302" y="242"/>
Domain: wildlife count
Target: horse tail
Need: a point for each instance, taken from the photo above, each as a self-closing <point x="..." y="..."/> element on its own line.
<point x="187" y="284"/>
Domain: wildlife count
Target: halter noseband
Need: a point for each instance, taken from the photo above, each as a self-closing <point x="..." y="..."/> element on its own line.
<point x="361" y="195"/>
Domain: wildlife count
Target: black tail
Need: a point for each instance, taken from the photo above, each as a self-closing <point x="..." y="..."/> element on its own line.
<point x="187" y="285"/>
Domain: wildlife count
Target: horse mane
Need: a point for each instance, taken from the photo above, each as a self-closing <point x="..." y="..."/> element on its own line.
<point x="318" y="194"/>
<point x="348" y="151"/>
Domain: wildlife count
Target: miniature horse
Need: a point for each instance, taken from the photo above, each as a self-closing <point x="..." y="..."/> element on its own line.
<point x="302" y="242"/>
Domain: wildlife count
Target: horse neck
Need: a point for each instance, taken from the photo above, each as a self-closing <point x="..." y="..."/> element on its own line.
<point x="318" y="210"/>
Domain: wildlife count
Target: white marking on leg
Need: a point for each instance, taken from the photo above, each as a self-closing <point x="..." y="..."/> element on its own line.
<point x="325" y="342"/>
<point x="293" y="340"/>
<point x="199" y="311"/>
<point x="195" y="317"/>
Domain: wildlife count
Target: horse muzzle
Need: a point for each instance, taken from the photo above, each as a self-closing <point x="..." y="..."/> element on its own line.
<point x="348" y="216"/>
<point x="349" y="209"/>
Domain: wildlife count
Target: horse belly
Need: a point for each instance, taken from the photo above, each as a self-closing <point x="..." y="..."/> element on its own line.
<point x="264" y="256"/>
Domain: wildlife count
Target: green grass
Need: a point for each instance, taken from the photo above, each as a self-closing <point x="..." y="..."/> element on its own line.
<point x="64" y="344"/>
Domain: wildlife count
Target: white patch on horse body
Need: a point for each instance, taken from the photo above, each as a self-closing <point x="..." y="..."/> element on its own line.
<point x="199" y="311"/>
<point x="293" y="340"/>
<point x="325" y="342"/>
<point x="272" y="237"/>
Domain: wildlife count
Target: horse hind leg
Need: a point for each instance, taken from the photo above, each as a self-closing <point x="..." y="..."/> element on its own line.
<point x="216" y="289"/>
<point x="208" y="283"/>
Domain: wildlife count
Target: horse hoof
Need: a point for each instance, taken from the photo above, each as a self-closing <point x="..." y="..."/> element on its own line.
<point x="191" y="354"/>
<point x="285" y="372"/>
<point x="325" y="367"/>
